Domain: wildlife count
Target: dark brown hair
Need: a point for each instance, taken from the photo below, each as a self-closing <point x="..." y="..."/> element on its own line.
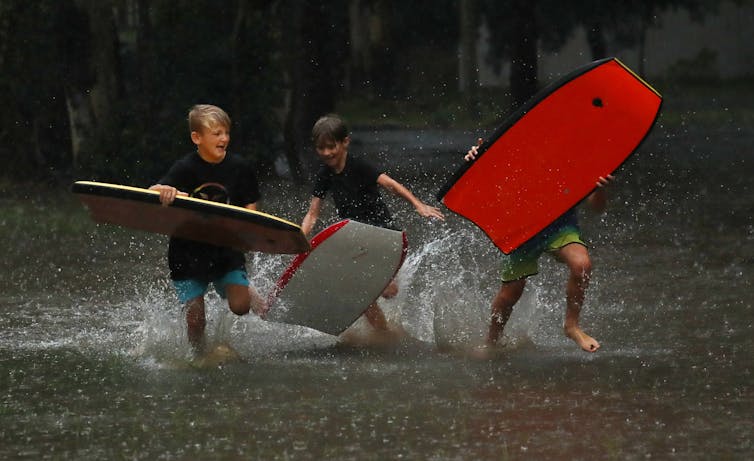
<point x="329" y="128"/>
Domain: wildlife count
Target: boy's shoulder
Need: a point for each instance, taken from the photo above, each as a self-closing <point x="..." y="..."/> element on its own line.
<point x="357" y="158"/>
<point x="367" y="167"/>
<point x="360" y="162"/>
<point x="187" y="159"/>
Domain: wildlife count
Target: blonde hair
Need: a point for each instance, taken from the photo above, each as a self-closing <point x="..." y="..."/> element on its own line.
<point x="207" y="116"/>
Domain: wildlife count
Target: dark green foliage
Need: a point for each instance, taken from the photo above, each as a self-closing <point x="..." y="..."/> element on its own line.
<point x="41" y="48"/>
<point x="101" y="88"/>
<point x="169" y="56"/>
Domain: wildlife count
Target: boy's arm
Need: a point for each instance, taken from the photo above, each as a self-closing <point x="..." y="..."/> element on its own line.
<point x="312" y="215"/>
<point x="597" y="200"/>
<point x="167" y="193"/>
<point x="252" y="206"/>
<point x="398" y="189"/>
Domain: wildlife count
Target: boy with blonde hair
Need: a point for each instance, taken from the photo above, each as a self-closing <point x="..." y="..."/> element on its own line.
<point x="210" y="173"/>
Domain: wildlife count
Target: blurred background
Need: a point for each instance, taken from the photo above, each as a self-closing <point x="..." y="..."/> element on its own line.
<point x="99" y="89"/>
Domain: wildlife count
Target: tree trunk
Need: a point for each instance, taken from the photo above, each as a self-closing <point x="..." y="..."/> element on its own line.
<point x="642" y="50"/>
<point x="90" y="104"/>
<point x="80" y="121"/>
<point x="77" y="76"/>
<point x="468" y="67"/>
<point x="105" y="59"/>
<point x="292" y="138"/>
<point x="382" y="73"/>
<point x="359" y="12"/>
<point x="595" y="37"/>
<point x="147" y="62"/>
<point x="523" y="78"/>
<point x="236" y="86"/>
<point x="315" y="68"/>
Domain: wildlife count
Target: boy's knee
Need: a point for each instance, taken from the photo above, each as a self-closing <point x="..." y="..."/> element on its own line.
<point x="239" y="299"/>
<point x="240" y="308"/>
<point x="581" y="267"/>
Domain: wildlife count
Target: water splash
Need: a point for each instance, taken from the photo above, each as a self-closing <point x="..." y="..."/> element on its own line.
<point x="447" y="284"/>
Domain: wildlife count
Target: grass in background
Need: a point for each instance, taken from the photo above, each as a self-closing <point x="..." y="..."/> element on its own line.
<point x="713" y="103"/>
<point x="422" y="111"/>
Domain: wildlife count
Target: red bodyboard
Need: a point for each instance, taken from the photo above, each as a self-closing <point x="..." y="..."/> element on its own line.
<point x="548" y="156"/>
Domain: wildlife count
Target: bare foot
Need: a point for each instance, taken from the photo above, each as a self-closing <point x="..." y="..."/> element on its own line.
<point x="372" y="338"/>
<point x="586" y="342"/>
<point x="482" y="352"/>
<point x="217" y="356"/>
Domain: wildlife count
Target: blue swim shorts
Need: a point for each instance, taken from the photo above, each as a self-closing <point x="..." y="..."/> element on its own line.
<point x="192" y="288"/>
<point x="523" y="261"/>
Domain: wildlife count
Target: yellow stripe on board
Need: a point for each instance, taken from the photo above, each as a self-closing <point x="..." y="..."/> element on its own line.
<point x="638" y="78"/>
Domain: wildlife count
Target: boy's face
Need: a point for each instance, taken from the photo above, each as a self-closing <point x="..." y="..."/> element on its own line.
<point x="332" y="152"/>
<point x="212" y="143"/>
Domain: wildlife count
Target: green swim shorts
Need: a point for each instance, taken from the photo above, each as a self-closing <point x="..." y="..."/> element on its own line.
<point x="523" y="261"/>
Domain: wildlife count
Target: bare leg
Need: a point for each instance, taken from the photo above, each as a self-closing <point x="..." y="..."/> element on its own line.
<point x="391" y="290"/>
<point x="376" y="317"/>
<point x="380" y="336"/>
<point x="579" y="264"/>
<point x="241" y="299"/>
<point x="383" y="334"/>
<point x="195" y="323"/>
<point x="502" y="307"/>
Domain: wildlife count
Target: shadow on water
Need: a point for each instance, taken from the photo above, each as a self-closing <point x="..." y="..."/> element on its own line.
<point x="96" y="365"/>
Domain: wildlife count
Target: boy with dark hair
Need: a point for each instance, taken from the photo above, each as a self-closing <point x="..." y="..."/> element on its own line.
<point x="355" y="185"/>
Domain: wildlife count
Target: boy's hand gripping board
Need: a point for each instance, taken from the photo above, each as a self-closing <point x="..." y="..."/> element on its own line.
<point x="190" y="218"/>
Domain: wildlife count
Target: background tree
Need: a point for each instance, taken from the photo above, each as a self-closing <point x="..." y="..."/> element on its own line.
<point x="468" y="57"/>
<point x="41" y="44"/>
<point x="520" y="28"/>
<point x="100" y="88"/>
<point x="404" y="49"/>
<point x="175" y="54"/>
<point x="315" y="56"/>
<point x="514" y="28"/>
<point x="625" y="24"/>
<point x="613" y="27"/>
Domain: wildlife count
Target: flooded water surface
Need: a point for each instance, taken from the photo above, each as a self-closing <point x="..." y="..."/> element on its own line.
<point x="95" y="363"/>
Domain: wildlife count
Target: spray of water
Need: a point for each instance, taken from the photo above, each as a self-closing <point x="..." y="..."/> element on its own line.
<point x="446" y="285"/>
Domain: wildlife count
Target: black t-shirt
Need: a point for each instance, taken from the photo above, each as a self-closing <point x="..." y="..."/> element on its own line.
<point x="355" y="192"/>
<point x="231" y="181"/>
